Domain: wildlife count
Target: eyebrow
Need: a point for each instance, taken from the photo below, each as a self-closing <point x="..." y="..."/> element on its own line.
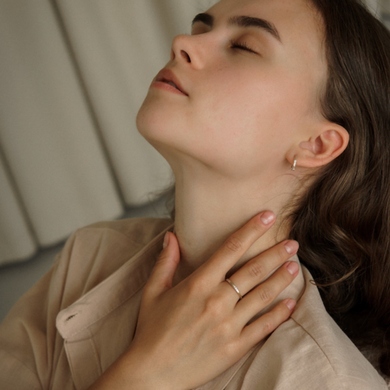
<point x="241" y="21"/>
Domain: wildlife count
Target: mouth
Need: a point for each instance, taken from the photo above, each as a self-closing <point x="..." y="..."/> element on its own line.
<point x="168" y="77"/>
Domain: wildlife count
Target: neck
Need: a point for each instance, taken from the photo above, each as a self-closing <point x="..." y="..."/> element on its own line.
<point x="209" y="208"/>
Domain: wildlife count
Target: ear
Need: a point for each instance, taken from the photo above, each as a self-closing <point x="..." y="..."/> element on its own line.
<point x="322" y="148"/>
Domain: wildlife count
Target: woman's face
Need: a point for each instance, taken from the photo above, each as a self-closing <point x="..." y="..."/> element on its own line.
<point x="244" y="108"/>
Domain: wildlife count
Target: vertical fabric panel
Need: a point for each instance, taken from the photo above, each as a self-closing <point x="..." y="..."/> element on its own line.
<point x="374" y="6"/>
<point x="381" y="9"/>
<point x="46" y="131"/>
<point x="73" y="74"/>
<point x="16" y="241"/>
<point x="119" y="47"/>
<point x="385" y="12"/>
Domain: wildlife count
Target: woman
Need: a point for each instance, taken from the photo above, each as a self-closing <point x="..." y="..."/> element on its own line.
<point x="268" y="105"/>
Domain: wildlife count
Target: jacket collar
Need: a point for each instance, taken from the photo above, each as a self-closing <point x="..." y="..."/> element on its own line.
<point x="112" y="292"/>
<point x="116" y="289"/>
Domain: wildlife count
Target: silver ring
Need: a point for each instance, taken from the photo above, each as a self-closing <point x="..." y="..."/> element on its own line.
<point x="234" y="287"/>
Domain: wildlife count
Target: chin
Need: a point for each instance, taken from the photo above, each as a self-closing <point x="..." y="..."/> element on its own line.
<point x="154" y="125"/>
<point x="149" y="121"/>
<point x="158" y="122"/>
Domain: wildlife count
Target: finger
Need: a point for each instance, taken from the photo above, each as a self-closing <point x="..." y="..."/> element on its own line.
<point x="267" y="323"/>
<point x="257" y="269"/>
<point x="266" y="293"/>
<point x="236" y="245"/>
<point x="164" y="270"/>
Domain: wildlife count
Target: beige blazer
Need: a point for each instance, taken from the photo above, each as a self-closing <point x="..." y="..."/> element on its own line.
<point x="78" y="319"/>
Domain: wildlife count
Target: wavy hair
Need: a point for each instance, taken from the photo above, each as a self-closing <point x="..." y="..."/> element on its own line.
<point x="343" y="221"/>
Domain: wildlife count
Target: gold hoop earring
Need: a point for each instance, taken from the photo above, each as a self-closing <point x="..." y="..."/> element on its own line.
<point x="295" y="163"/>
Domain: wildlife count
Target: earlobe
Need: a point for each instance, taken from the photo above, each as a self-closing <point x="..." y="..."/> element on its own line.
<point x="323" y="148"/>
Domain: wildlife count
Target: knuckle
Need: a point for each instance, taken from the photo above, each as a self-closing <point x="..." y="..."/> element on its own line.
<point x="256" y="269"/>
<point x="225" y="330"/>
<point x="233" y="244"/>
<point x="230" y="349"/>
<point x="195" y="286"/>
<point x="268" y="327"/>
<point x="265" y="295"/>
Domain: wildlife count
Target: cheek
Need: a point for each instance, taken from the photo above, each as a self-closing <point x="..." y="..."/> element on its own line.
<point x="254" y="124"/>
<point x="235" y="123"/>
<point x="241" y="109"/>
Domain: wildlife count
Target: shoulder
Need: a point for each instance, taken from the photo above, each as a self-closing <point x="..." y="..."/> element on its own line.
<point x="137" y="230"/>
<point x="325" y="350"/>
<point x="89" y="259"/>
<point x="96" y="251"/>
<point x="310" y="352"/>
<point x="113" y="238"/>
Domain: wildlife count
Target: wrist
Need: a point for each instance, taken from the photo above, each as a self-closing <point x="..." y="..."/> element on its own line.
<point x="130" y="372"/>
<point x="123" y="374"/>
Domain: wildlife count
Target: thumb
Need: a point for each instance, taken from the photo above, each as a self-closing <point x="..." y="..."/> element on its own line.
<point x="164" y="270"/>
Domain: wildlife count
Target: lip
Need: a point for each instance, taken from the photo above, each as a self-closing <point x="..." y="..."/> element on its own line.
<point x="162" y="79"/>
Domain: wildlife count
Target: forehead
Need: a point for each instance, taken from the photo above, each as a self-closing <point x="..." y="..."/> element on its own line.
<point x="299" y="25"/>
<point x="280" y="9"/>
<point x="293" y="18"/>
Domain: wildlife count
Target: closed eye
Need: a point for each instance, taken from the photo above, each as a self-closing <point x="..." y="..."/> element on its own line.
<point x="242" y="46"/>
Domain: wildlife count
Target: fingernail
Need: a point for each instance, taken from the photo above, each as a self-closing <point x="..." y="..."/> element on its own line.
<point x="290" y="303"/>
<point x="267" y="217"/>
<point x="292" y="267"/>
<point x="166" y="240"/>
<point x="291" y="247"/>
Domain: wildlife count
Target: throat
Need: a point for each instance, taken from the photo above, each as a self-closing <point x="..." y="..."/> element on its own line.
<point x="204" y="220"/>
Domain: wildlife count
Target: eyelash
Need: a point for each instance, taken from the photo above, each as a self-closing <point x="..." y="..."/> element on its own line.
<point x="241" y="45"/>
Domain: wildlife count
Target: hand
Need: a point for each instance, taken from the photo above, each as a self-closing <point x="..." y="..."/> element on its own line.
<point x="188" y="334"/>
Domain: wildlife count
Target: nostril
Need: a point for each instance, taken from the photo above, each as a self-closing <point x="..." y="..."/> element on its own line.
<point x="185" y="56"/>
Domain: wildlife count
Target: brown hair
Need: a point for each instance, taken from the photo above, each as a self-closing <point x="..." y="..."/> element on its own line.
<point x="343" y="221"/>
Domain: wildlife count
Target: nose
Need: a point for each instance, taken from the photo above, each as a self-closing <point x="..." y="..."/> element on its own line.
<point x="187" y="49"/>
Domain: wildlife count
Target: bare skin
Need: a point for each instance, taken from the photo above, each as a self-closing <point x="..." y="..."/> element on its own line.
<point x="230" y="140"/>
<point x="248" y="113"/>
<point x="190" y="333"/>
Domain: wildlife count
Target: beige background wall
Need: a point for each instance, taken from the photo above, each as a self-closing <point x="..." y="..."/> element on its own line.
<point x="73" y="74"/>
